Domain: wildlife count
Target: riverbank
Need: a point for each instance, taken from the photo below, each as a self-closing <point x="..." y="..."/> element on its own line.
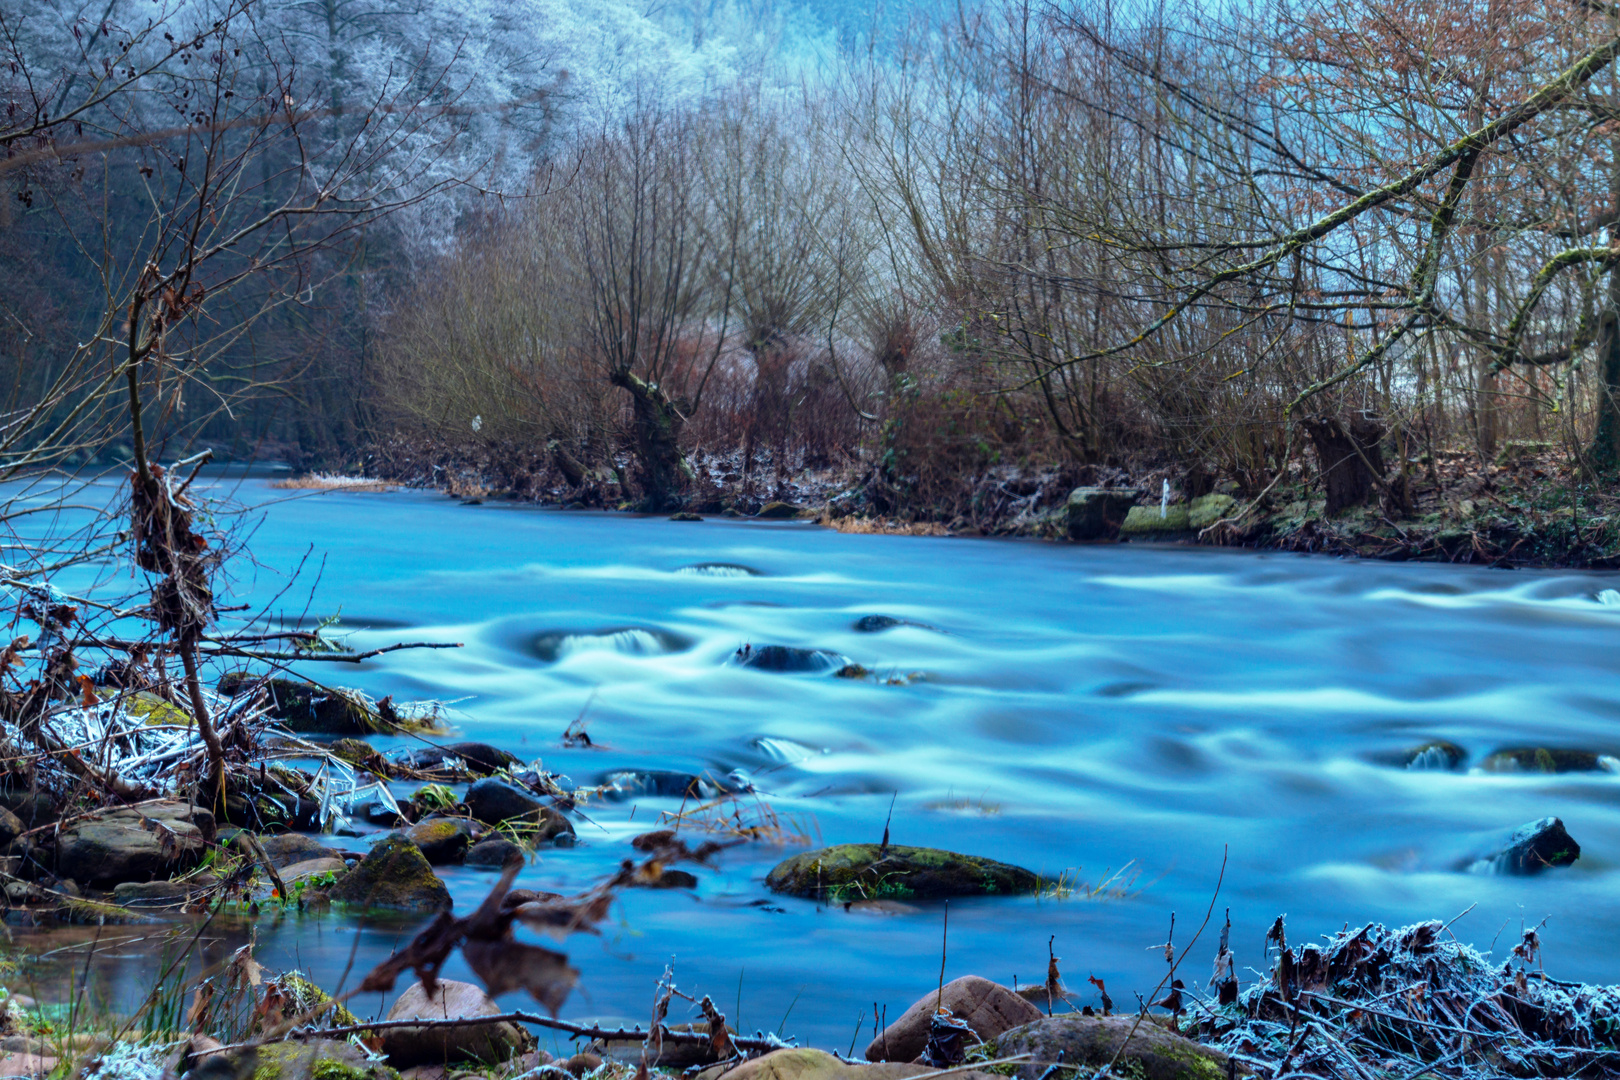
<point x="1529" y="507"/>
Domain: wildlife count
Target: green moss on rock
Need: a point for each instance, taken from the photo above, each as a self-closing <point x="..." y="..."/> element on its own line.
<point x="1144" y="521"/>
<point x="394" y="875"/>
<point x="848" y="872"/>
<point x="1540" y="759"/>
<point x="1140" y="1049"/>
<point x="1206" y="510"/>
<point x="318" y="1059"/>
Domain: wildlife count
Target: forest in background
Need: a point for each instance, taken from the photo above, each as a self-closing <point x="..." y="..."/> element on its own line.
<point x="930" y="265"/>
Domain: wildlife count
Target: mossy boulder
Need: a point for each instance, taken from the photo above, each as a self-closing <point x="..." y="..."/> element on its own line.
<point x="1145" y="522"/>
<point x="1540" y="759"/>
<point x="1206" y="510"/>
<point x="441" y="839"/>
<point x="1144" y="1050"/>
<point x="779" y="511"/>
<point x="395" y="874"/>
<point x="1094" y="513"/>
<point x="849" y="872"/>
<point x="317" y="1059"/>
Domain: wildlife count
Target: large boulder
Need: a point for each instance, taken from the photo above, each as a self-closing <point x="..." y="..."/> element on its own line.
<point x="803" y="1063"/>
<point x="1530" y="849"/>
<point x="988" y="1008"/>
<point x="394" y="875"/>
<point x="133" y="844"/>
<point x="407" y="1046"/>
<point x="441" y="839"/>
<point x="1094" y="513"/>
<point x="494" y="801"/>
<point x="849" y="872"/>
<point x="1144" y="1050"/>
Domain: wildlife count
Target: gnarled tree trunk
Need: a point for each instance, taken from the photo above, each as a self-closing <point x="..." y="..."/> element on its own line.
<point x="1352" y="462"/>
<point x="658" y="424"/>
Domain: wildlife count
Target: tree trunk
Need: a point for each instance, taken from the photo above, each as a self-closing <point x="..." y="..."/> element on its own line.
<point x="658" y="436"/>
<point x="1604" y="453"/>
<point x="1345" y="454"/>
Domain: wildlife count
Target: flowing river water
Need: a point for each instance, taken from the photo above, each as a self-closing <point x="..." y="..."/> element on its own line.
<point x="1128" y="715"/>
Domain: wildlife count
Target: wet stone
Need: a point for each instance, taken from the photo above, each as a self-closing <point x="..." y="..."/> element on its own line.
<point x="450" y="1000"/>
<point x="289" y="848"/>
<point x="1437" y="756"/>
<point x="480" y="759"/>
<point x="494" y="802"/>
<point x="396" y="875"/>
<point x="789" y="660"/>
<point x="492" y="853"/>
<point x="441" y="840"/>
<point x="987" y="1007"/>
<point x="1530" y="849"/>
<point x="1137" y="1049"/>
<point x="846" y="873"/>
<point x="133" y="845"/>
<point x="1540" y="759"/>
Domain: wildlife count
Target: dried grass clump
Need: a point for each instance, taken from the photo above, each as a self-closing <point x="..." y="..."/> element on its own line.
<point x="329" y="482"/>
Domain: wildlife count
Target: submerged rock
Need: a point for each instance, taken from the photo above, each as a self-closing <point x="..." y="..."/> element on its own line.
<point x="395" y="874"/>
<point x="1540" y="759"/>
<point x="686" y="515"/>
<point x="1440" y="756"/>
<point x="675" y="785"/>
<point x="1094" y="513"/>
<point x="876" y="624"/>
<point x="450" y="1000"/>
<point x="492" y="853"/>
<point x="1530" y="849"/>
<point x="495" y="801"/>
<point x="138" y="893"/>
<point x="786" y="658"/>
<point x="850" y="872"/>
<point x="1142" y="1049"/>
<point x="477" y="758"/>
<point x="120" y="846"/>
<point x="988" y="1008"/>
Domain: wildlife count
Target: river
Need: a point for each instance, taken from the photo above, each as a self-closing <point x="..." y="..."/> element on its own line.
<point x="1135" y="715"/>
